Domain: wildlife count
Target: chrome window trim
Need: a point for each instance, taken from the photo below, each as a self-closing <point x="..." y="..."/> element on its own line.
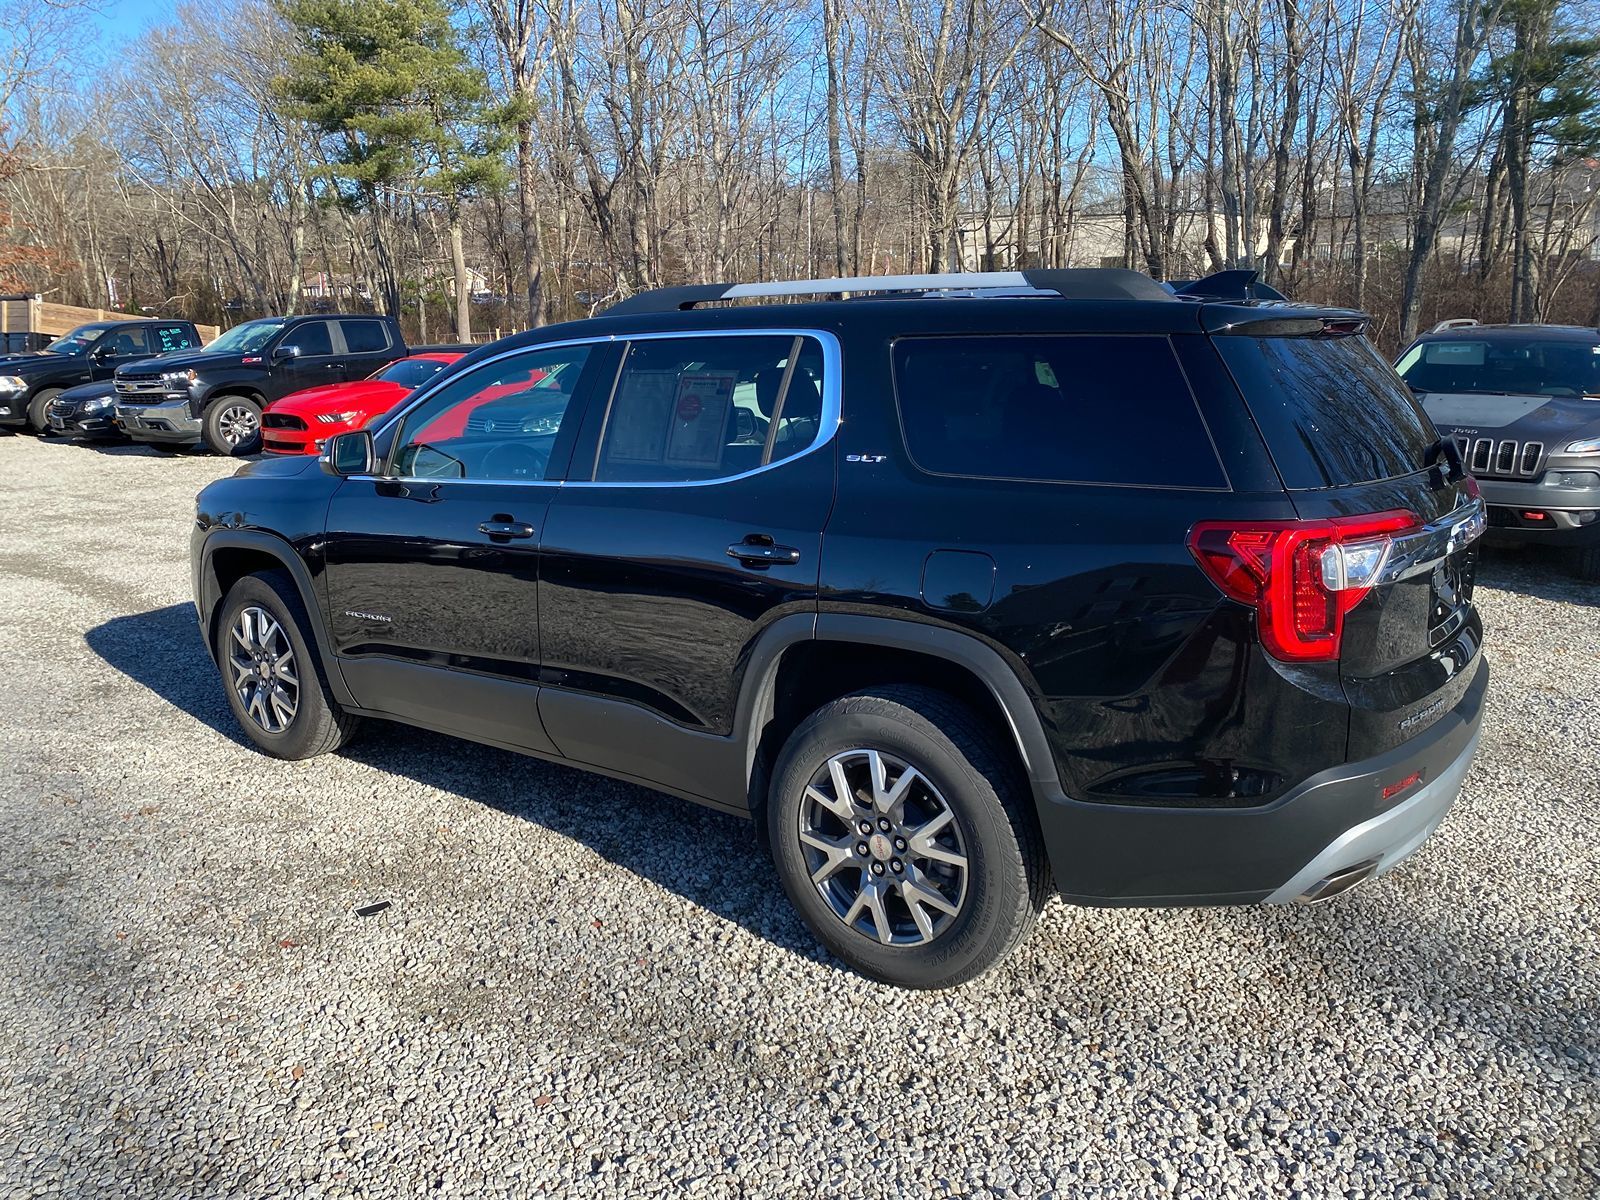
<point x="832" y="392"/>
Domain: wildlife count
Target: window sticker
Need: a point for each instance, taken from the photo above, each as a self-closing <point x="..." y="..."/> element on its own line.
<point x="700" y="418"/>
<point x="172" y="338"/>
<point x="638" y="426"/>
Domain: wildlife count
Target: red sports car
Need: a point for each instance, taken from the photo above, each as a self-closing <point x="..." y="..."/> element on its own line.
<point x="300" y="423"/>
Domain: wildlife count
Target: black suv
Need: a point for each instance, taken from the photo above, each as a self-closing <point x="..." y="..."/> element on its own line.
<point x="978" y="583"/>
<point x="1522" y="404"/>
<point x="29" y="382"/>
<point x="216" y="395"/>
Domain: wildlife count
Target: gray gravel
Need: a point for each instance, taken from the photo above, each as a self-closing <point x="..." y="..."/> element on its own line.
<point x="581" y="988"/>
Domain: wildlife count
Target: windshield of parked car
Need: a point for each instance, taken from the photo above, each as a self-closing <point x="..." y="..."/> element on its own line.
<point x="409" y="372"/>
<point x="242" y="339"/>
<point x="79" y="340"/>
<point x="1501" y="367"/>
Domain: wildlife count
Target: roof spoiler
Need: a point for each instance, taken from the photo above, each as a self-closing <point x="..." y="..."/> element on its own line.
<point x="1228" y="285"/>
<point x="1087" y="283"/>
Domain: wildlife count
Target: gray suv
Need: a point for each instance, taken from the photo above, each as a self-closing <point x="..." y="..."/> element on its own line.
<point x="1521" y="405"/>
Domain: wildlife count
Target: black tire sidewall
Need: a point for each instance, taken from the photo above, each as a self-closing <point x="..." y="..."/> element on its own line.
<point x="997" y="882"/>
<point x="211" y="434"/>
<point x="296" y="741"/>
<point x="37" y="420"/>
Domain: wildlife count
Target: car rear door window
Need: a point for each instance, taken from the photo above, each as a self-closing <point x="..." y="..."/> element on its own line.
<point x="364" y="337"/>
<point x="700" y="408"/>
<point x="174" y="337"/>
<point x="1333" y="412"/>
<point x="124" y="343"/>
<point x="1054" y="407"/>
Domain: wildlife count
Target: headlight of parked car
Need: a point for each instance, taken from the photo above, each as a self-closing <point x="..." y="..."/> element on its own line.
<point x="13" y="383"/>
<point x="97" y="404"/>
<point x="1587" y="446"/>
<point x="179" y="378"/>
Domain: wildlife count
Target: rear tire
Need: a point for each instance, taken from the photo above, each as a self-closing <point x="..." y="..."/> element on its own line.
<point x="923" y="883"/>
<point x="37" y="421"/>
<point x="271" y="673"/>
<point x="232" y="425"/>
<point x="1587" y="564"/>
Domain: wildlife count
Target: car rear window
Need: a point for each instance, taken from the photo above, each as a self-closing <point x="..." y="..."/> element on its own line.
<point x="1063" y="408"/>
<point x="1332" y="411"/>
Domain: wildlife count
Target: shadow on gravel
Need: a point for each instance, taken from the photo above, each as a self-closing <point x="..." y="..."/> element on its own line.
<point x="163" y="650"/>
<point x="1544" y="572"/>
<point x="710" y="859"/>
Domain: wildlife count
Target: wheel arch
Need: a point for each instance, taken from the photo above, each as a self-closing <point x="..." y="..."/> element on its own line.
<point x="231" y="554"/>
<point x="803" y="664"/>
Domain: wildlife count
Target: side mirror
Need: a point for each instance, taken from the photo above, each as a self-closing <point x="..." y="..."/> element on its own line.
<point x="349" y="454"/>
<point x="284" y="353"/>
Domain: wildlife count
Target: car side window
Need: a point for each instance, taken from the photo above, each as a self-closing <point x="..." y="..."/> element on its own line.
<point x="1062" y="408"/>
<point x="364" y="337"/>
<point x="313" y="338"/>
<point x="498" y="422"/>
<point x="173" y="337"/>
<point x="124" y="343"/>
<point x="700" y="408"/>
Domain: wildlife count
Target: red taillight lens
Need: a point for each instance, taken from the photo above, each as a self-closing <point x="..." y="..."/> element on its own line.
<point x="1301" y="577"/>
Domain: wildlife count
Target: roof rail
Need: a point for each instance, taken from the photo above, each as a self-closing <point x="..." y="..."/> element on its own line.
<point x="1454" y="323"/>
<point x="1087" y="283"/>
<point x="1228" y="285"/>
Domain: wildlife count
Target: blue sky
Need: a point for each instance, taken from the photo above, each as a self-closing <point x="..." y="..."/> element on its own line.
<point x="128" y="17"/>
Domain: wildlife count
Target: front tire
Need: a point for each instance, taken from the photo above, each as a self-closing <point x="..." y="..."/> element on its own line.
<point x="37" y="420"/>
<point x="1587" y="564"/>
<point x="271" y="674"/>
<point x="904" y="837"/>
<point x="232" y="426"/>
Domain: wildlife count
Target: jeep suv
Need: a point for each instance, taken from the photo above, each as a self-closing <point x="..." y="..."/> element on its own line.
<point x="966" y="588"/>
<point x="1522" y="405"/>
<point x="216" y="395"/>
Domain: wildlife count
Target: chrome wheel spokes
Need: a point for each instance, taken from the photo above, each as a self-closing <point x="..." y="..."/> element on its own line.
<point x="265" y="676"/>
<point x="238" y="424"/>
<point x="883" y="847"/>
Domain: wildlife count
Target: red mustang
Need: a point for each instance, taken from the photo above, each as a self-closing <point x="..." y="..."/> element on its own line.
<point x="300" y="423"/>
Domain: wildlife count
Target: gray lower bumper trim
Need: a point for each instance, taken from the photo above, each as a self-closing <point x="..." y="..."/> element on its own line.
<point x="1390" y="837"/>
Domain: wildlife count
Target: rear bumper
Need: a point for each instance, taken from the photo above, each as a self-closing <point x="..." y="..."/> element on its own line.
<point x="1335" y="827"/>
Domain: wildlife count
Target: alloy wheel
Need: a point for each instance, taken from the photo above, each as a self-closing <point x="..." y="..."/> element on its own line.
<point x="883" y="848"/>
<point x="238" y="424"/>
<point x="265" y="677"/>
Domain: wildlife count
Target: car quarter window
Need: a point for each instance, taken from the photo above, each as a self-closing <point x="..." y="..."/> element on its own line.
<point x="497" y="422"/>
<point x="1061" y="408"/>
<point x="364" y="337"/>
<point x="313" y="338"/>
<point x="699" y="408"/>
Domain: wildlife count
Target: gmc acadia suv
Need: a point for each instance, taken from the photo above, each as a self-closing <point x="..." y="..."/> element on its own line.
<point x="960" y="586"/>
<point x="1522" y="404"/>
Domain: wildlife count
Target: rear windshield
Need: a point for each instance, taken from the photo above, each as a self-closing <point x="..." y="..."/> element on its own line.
<point x="1332" y="411"/>
<point x="1509" y="366"/>
<point x="1060" y="408"/>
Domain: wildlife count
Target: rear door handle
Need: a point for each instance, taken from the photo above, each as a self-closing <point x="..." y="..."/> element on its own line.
<point x="762" y="553"/>
<point x="506" y="529"/>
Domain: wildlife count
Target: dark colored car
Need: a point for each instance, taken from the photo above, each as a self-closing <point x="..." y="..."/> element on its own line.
<point x="89" y="354"/>
<point x="1002" y="584"/>
<point x="85" y="411"/>
<point x="1522" y="405"/>
<point x="217" y="395"/>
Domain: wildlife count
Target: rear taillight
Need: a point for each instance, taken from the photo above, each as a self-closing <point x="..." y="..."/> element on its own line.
<point x="1301" y="577"/>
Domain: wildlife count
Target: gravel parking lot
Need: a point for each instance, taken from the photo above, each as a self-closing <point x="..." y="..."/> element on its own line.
<point x="582" y="988"/>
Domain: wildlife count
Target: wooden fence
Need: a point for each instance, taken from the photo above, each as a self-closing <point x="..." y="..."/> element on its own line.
<point x="29" y="314"/>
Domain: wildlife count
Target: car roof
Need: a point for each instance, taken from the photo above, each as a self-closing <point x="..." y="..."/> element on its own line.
<point x="1515" y="333"/>
<point x="444" y="356"/>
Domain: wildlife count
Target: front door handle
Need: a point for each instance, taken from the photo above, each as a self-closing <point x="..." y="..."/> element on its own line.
<point x="506" y="529"/>
<point x="758" y="551"/>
